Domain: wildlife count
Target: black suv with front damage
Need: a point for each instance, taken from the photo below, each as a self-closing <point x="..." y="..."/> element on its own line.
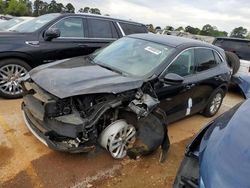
<point x="53" y="37"/>
<point x="124" y="95"/>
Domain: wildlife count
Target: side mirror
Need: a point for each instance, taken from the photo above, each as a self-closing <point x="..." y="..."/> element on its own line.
<point x="173" y="79"/>
<point x="52" y="33"/>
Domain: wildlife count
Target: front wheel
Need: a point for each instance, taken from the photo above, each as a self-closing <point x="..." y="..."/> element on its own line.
<point x="11" y="73"/>
<point x="214" y="103"/>
<point x="117" y="138"/>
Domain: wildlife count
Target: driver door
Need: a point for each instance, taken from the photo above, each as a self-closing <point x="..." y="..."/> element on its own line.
<point x="176" y="99"/>
<point x="71" y="42"/>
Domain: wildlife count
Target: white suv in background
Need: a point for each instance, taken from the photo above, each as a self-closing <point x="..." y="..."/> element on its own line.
<point x="241" y="47"/>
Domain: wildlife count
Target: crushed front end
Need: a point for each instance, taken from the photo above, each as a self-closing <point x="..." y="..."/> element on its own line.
<point x="74" y="124"/>
<point x="54" y="121"/>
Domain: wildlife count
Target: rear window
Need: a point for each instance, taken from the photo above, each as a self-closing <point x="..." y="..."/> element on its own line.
<point x="240" y="48"/>
<point x="101" y="29"/>
<point x="132" y="28"/>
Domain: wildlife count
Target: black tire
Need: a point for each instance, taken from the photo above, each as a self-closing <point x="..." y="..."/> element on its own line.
<point x="18" y="63"/>
<point x="209" y="111"/>
<point x="233" y="61"/>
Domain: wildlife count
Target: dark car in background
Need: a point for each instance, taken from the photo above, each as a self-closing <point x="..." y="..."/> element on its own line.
<point x="240" y="47"/>
<point x="53" y="37"/>
<point x="139" y="83"/>
<point x="219" y="156"/>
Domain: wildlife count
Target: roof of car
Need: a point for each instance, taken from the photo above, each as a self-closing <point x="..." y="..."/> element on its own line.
<point x="232" y="38"/>
<point x="99" y="16"/>
<point x="170" y="40"/>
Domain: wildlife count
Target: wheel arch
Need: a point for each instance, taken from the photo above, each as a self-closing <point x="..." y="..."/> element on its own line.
<point x="21" y="56"/>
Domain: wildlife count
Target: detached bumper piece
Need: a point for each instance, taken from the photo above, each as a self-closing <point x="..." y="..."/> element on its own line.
<point x="44" y="132"/>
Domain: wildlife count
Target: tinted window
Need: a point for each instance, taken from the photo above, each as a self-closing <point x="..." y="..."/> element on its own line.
<point x="132" y="28"/>
<point x="184" y="64"/>
<point x="218" y="42"/>
<point x="241" y="48"/>
<point x="101" y="29"/>
<point x="70" y="27"/>
<point x="234" y="44"/>
<point x="204" y="59"/>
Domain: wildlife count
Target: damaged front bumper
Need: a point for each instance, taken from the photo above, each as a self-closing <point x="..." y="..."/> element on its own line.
<point x="46" y="133"/>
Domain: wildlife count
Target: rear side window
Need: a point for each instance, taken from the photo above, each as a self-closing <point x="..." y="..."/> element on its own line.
<point x="101" y="29"/>
<point x="132" y="28"/>
<point x="70" y="27"/>
<point x="204" y="59"/>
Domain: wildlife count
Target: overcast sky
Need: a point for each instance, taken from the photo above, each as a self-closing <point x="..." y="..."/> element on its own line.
<point x="225" y="14"/>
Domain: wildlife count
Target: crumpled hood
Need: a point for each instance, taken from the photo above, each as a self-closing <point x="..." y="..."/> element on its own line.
<point x="225" y="151"/>
<point x="78" y="76"/>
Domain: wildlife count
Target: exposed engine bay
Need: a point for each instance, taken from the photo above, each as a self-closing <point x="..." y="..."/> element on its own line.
<point x="128" y="123"/>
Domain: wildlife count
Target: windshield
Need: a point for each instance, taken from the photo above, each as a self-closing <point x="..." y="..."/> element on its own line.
<point x="10" y="23"/>
<point x="132" y="56"/>
<point x="36" y="23"/>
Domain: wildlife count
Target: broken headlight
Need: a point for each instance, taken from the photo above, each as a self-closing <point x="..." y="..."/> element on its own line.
<point x="57" y="108"/>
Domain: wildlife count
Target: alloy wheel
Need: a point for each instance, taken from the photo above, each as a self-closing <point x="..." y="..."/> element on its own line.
<point x="10" y="78"/>
<point x="117" y="138"/>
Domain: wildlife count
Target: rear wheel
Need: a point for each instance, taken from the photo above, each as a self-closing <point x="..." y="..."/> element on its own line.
<point x="11" y="73"/>
<point x="214" y="103"/>
<point x="233" y="61"/>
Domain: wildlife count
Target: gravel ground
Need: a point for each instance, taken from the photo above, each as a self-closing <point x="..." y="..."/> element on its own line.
<point x="25" y="162"/>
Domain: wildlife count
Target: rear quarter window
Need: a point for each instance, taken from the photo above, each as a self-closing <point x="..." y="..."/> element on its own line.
<point x="132" y="28"/>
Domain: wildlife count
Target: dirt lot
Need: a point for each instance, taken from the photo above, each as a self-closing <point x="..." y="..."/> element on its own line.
<point x="25" y="162"/>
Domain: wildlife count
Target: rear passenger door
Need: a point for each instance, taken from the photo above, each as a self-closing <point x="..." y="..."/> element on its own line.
<point x="100" y="33"/>
<point x="208" y="74"/>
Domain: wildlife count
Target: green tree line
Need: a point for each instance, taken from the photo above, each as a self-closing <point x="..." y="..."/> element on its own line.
<point x="207" y="30"/>
<point x="39" y="7"/>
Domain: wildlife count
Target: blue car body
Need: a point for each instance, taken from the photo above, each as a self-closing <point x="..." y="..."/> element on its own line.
<point x="220" y="153"/>
<point x="243" y="82"/>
